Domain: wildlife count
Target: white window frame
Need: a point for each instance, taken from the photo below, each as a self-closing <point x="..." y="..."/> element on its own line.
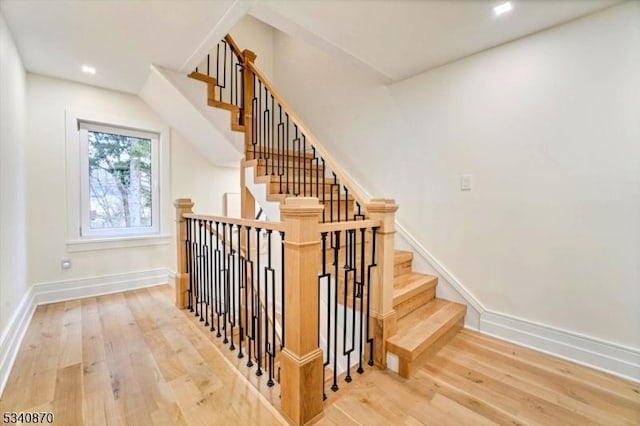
<point x="76" y="242"/>
<point x="85" y="200"/>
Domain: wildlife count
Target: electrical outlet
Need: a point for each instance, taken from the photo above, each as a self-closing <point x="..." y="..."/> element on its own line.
<point x="465" y="183"/>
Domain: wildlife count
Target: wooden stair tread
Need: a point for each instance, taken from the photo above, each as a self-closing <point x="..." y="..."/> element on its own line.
<point x="401" y="256"/>
<point x="422" y="327"/>
<point x="275" y="152"/>
<point x="293" y="180"/>
<point x="327" y="198"/>
<point x="203" y="77"/>
<point x="408" y="285"/>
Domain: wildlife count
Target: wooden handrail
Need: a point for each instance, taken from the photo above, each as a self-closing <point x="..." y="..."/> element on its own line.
<point x="234" y="47"/>
<point x="320" y="149"/>
<point x="262" y="224"/>
<point x="349" y="225"/>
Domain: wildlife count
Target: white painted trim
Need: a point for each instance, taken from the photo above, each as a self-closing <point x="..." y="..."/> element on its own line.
<point x="116" y="243"/>
<point x="13" y="336"/>
<point x="585" y="350"/>
<point x="58" y="291"/>
<point x="441" y="269"/>
<point x="610" y="357"/>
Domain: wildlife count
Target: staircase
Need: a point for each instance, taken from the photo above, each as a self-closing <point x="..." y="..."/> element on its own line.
<point x="286" y="161"/>
<point x="425" y="323"/>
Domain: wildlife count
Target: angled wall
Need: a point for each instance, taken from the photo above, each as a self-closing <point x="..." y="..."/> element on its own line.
<point x="548" y="240"/>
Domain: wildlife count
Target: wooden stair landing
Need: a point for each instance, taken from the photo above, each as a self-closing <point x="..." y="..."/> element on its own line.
<point x="425" y="323"/>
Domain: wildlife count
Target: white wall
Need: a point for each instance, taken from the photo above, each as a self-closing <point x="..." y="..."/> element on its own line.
<point x="13" y="112"/>
<point x="190" y="176"/>
<point x="548" y="126"/>
<point x="194" y="177"/>
<point x="252" y="34"/>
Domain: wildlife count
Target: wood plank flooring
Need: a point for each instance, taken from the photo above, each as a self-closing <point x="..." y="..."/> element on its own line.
<point x="132" y="358"/>
<point x="128" y="358"/>
<point x="477" y="380"/>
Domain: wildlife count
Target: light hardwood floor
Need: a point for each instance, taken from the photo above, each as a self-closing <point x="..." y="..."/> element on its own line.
<point x="132" y="358"/>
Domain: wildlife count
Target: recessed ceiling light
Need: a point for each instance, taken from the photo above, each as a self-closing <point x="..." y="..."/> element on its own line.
<point x="88" y="69"/>
<point x="502" y="8"/>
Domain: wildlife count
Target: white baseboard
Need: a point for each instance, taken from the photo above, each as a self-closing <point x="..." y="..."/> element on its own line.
<point x="58" y="291"/>
<point x="13" y="335"/>
<point x="605" y="356"/>
<point x="440" y="269"/>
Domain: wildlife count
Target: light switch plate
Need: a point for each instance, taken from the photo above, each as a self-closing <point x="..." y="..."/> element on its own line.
<point x="465" y="183"/>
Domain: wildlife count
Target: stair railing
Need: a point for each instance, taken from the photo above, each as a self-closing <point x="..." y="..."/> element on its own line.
<point x="225" y="66"/>
<point x="290" y="152"/>
<point x="234" y="289"/>
<point x="336" y="242"/>
<point x="276" y="136"/>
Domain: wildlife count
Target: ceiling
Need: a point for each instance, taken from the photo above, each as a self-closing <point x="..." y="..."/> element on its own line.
<point x="119" y="38"/>
<point x="401" y="38"/>
<point x="394" y="38"/>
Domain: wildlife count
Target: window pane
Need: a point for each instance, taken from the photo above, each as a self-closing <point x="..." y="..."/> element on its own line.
<point x="119" y="181"/>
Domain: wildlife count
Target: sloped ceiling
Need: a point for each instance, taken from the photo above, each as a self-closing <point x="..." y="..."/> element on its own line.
<point x="398" y="39"/>
<point x="393" y="38"/>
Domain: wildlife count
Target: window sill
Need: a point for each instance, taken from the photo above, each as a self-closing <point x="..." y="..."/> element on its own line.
<point x="91" y="244"/>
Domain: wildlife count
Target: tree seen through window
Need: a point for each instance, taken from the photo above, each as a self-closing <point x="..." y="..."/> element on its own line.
<point x="119" y="181"/>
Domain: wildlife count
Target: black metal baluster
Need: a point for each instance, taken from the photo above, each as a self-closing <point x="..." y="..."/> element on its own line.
<point x="282" y="159"/>
<point x="324" y="195"/>
<point x="254" y="125"/>
<point x="303" y="155"/>
<point x="258" y="316"/>
<point x="189" y="263"/>
<point x="269" y="303"/>
<point x="273" y="149"/>
<point x="249" y="290"/>
<point x="287" y="151"/>
<point x="242" y="274"/>
<point x="362" y="296"/>
<point x="212" y="272"/>
<point x="346" y="203"/>
<point x="336" y="261"/>
<point x="205" y="283"/>
<point x="232" y="281"/>
<point x="218" y="276"/>
<point x="327" y="276"/>
<point x="200" y="269"/>
<point x="225" y="283"/>
<point x="371" y="266"/>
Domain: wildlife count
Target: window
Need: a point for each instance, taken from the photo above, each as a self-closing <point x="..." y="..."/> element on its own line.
<point x="118" y="181"/>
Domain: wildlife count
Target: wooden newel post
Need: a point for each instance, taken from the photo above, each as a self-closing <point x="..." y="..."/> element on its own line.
<point x="247" y="202"/>
<point x="301" y="362"/>
<point x="182" y="205"/>
<point x="383" y="316"/>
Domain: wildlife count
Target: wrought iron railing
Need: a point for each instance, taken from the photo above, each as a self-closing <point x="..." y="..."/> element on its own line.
<point x="236" y="284"/>
<point x="348" y="252"/>
<point x="225" y="64"/>
<point x="282" y="146"/>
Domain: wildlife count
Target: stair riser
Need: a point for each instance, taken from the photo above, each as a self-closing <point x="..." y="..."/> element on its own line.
<point x="405" y="308"/>
<point x="309" y="172"/>
<point x="402" y="268"/>
<point x="289" y="155"/>
<point x="407" y="367"/>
